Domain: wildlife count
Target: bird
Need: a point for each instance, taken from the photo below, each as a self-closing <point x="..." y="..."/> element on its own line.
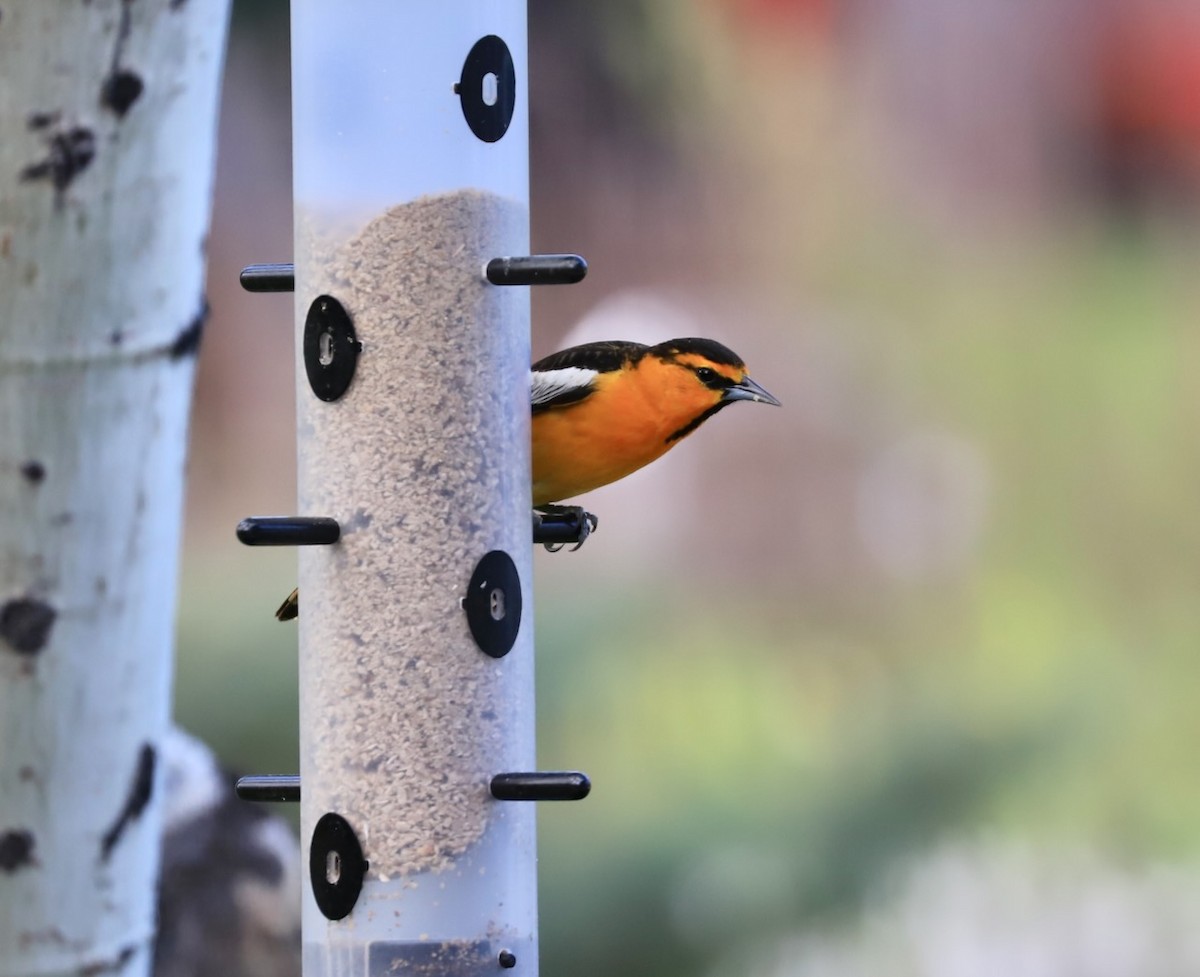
<point x="602" y="410"/>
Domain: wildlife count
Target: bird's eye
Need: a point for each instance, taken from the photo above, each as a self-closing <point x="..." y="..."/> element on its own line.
<point x="706" y="374"/>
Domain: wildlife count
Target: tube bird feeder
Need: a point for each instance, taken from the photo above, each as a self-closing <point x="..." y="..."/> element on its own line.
<point x="410" y="132"/>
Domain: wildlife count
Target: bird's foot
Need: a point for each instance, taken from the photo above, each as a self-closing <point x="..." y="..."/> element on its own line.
<point x="561" y="524"/>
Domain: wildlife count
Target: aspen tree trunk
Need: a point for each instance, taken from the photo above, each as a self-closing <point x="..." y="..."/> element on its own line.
<point x="107" y="130"/>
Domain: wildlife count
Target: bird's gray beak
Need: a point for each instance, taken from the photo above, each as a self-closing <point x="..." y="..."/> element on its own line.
<point x="749" y="390"/>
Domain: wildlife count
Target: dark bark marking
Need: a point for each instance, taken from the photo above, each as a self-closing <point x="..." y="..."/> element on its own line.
<point x="97" y="967"/>
<point x="25" y="624"/>
<point x="16" y="850"/>
<point x="34" y="471"/>
<point x="71" y="152"/>
<point x="42" y="120"/>
<point x="187" y="343"/>
<point x="122" y="87"/>
<point x="140" y="791"/>
<point x="123" y="29"/>
<point x="120" y="90"/>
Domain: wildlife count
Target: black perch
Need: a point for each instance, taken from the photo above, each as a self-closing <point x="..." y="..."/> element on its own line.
<point x="556" y="528"/>
<point x="289" y="531"/>
<point x="537" y="269"/>
<point x="269" y="788"/>
<point x="269" y="278"/>
<point x="532" y="269"/>
<point x="550" y="785"/>
<point x="559" y="785"/>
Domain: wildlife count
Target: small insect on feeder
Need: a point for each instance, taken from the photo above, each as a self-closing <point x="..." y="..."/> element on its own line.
<point x="410" y="131"/>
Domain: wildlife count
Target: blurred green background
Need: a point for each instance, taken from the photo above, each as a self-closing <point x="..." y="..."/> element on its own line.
<point x="901" y="678"/>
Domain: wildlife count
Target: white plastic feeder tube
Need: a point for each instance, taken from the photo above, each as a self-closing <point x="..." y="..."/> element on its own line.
<point x="401" y="199"/>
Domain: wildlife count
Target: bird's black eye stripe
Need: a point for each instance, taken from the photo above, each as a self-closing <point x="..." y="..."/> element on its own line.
<point x="711" y="378"/>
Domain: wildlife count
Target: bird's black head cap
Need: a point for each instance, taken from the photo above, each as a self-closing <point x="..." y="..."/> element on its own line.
<point x="708" y="348"/>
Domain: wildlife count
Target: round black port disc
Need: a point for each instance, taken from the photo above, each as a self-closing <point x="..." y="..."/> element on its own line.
<point x="335" y="866"/>
<point x="493" y="604"/>
<point x="487" y="88"/>
<point x="330" y="348"/>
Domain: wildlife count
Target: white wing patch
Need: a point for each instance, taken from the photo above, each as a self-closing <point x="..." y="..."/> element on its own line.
<point x="548" y="385"/>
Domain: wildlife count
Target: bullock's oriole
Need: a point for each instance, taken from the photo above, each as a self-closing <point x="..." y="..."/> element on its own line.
<point x="604" y="410"/>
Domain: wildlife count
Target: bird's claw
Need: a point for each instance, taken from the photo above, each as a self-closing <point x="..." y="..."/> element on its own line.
<point x="586" y="523"/>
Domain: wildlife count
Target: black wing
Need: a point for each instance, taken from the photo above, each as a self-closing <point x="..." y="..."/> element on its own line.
<point x="601" y="357"/>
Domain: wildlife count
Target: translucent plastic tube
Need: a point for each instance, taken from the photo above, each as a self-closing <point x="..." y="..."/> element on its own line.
<point x="411" y="172"/>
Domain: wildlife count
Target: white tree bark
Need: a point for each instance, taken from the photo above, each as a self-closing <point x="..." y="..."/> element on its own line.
<point x="107" y="129"/>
